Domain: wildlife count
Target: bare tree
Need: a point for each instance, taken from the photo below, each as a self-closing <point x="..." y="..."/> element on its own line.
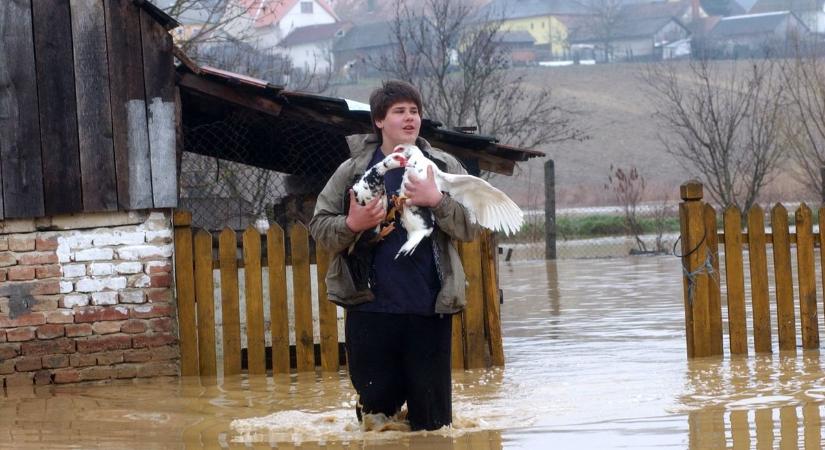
<point x="803" y="75"/>
<point x="629" y="187"/>
<point x="723" y="122"/>
<point x="602" y="24"/>
<point x="219" y="33"/>
<point x="456" y="59"/>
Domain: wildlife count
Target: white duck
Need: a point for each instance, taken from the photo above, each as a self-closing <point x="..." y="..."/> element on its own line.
<point x="488" y="206"/>
<point x="371" y="185"/>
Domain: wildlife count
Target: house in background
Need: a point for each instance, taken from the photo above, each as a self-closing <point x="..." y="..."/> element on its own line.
<point x="310" y="48"/>
<point x="355" y="53"/>
<point x="642" y="31"/>
<point x="545" y="20"/>
<point x="754" y="34"/>
<point x="518" y="47"/>
<point x="810" y="12"/>
<point x="264" y="23"/>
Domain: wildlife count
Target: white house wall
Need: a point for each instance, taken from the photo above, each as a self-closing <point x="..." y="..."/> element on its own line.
<point x="311" y="57"/>
<point x="296" y="19"/>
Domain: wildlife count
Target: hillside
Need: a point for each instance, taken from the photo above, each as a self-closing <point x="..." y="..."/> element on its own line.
<point x="613" y="106"/>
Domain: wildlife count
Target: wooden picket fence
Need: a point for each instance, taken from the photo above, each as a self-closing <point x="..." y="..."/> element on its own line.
<point x="476" y="331"/>
<point x="703" y="280"/>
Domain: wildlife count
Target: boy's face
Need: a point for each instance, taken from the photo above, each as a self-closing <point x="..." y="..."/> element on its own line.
<point x="400" y="126"/>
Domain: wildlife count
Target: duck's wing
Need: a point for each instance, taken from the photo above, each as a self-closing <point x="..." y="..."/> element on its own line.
<point x="488" y="206"/>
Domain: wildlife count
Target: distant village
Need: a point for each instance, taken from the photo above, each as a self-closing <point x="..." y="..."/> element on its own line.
<point x="343" y="36"/>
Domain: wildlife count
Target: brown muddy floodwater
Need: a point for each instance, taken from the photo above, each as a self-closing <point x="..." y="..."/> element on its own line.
<point x="595" y="359"/>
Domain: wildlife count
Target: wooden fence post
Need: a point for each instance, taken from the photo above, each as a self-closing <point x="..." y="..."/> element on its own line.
<point x="185" y="293"/>
<point x="549" y="210"/>
<point x="695" y="275"/>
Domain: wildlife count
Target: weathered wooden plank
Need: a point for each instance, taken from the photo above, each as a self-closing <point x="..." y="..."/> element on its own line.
<point x="492" y="314"/>
<point x="785" y="314"/>
<point x="714" y="283"/>
<point x="457" y="351"/>
<point x="735" y="280"/>
<point x="256" y="343"/>
<point x="278" y="308"/>
<point x="159" y="76"/>
<point x="474" y="311"/>
<point x="327" y="315"/>
<point x="694" y="249"/>
<point x="205" y="300"/>
<point x="230" y="304"/>
<point x="130" y="131"/>
<point x="57" y="107"/>
<point x="806" y="270"/>
<point x="758" y="258"/>
<point x="185" y="293"/>
<point x="22" y="172"/>
<point x="302" y="296"/>
<point x="94" y="112"/>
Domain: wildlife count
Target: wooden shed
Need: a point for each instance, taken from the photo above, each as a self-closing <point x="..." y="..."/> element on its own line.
<point x="87" y="182"/>
<point x="87" y="107"/>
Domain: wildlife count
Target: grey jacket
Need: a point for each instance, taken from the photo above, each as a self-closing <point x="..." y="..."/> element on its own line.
<point x="328" y="228"/>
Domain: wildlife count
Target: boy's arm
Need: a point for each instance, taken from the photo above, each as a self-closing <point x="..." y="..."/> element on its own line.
<point x="328" y="225"/>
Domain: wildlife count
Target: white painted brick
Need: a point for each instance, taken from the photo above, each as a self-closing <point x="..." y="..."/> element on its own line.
<point x="156" y="221"/>
<point x="74" y="270"/>
<point x="104" y="298"/>
<point x="66" y="287"/>
<point x="150" y="264"/>
<point x="102" y="237"/>
<point x="159" y="237"/>
<point x="128" y="267"/>
<point x="70" y="301"/>
<point x="115" y="283"/>
<point x="140" y="281"/>
<point x="138" y="252"/>
<point x="89" y="285"/>
<point x="101" y="269"/>
<point x="94" y="254"/>
<point x="64" y="252"/>
<point x="120" y="237"/>
<point x="78" y="240"/>
<point x="123" y="309"/>
<point x="132" y="296"/>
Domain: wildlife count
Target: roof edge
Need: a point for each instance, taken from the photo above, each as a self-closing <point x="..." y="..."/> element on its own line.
<point x="158" y="14"/>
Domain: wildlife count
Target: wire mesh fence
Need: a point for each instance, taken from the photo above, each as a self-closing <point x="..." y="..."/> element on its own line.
<point x="227" y="190"/>
<point x="221" y="192"/>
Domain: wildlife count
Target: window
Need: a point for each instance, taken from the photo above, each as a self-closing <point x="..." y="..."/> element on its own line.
<point x="306" y="7"/>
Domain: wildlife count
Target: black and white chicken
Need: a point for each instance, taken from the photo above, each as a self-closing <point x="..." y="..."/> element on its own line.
<point x="488" y="206"/>
<point x="371" y="185"/>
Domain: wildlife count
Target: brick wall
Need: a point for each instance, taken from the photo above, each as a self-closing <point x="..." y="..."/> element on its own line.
<point x="90" y="299"/>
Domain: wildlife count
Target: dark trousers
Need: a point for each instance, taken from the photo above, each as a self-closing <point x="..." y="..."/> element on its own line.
<point x="394" y="358"/>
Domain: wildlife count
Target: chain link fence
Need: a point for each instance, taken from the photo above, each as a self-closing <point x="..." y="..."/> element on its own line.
<point x="223" y="193"/>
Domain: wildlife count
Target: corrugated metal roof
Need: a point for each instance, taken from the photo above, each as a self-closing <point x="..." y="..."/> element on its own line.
<point x="313" y="33"/>
<point x="518" y="9"/>
<point x="334" y="113"/>
<point x="750" y="24"/>
<point x="376" y="34"/>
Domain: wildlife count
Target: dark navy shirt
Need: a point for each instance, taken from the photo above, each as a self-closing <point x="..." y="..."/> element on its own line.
<point x="409" y="284"/>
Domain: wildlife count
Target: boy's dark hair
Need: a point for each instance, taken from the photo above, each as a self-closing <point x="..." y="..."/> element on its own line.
<point x="390" y="93"/>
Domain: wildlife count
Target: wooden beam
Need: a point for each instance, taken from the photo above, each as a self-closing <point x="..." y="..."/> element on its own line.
<point x="129" y="123"/>
<point x="227" y="93"/>
<point x="159" y="76"/>
<point x="22" y="171"/>
<point x="94" y="112"/>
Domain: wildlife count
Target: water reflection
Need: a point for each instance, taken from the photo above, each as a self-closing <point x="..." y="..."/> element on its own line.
<point x="595" y="356"/>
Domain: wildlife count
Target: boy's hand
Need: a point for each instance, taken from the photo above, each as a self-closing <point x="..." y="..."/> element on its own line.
<point x="423" y="191"/>
<point x="360" y="218"/>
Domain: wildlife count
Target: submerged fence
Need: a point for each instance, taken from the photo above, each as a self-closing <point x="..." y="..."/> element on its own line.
<point x="476" y="331"/>
<point x="703" y="280"/>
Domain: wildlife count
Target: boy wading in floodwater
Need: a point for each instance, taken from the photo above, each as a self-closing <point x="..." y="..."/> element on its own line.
<point x="399" y="311"/>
